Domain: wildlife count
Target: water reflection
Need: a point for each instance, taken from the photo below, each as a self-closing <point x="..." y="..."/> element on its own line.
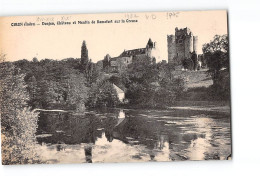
<point x="115" y="135"/>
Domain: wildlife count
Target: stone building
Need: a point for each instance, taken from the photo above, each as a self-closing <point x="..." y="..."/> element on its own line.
<point x="120" y="63"/>
<point x="181" y="46"/>
<point x="120" y="93"/>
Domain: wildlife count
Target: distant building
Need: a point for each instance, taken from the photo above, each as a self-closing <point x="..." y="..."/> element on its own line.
<point x="120" y="63"/>
<point x="181" y="46"/>
<point x="120" y="93"/>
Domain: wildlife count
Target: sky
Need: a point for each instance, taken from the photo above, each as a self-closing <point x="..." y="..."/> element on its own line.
<point x="64" y="41"/>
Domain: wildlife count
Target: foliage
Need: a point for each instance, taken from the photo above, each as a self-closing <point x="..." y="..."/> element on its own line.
<point x="151" y="85"/>
<point x="84" y="54"/>
<point x="65" y="84"/>
<point x="221" y="89"/>
<point x="188" y="64"/>
<point x="77" y="91"/>
<point x="219" y="43"/>
<point x="194" y="59"/>
<point x="216" y="54"/>
<point x="35" y="59"/>
<point x="18" y="122"/>
<point x="55" y="83"/>
<point x="102" y="94"/>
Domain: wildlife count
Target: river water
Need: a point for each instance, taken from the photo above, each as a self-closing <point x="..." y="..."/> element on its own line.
<point x="118" y="135"/>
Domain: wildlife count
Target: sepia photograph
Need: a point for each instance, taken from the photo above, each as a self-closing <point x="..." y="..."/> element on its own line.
<point x="115" y="88"/>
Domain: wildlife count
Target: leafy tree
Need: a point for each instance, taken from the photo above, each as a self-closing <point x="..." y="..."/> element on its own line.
<point x="84" y="54"/>
<point x="219" y="43"/>
<point x="194" y="59"/>
<point x="32" y="89"/>
<point x="216" y="54"/>
<point x="188" y="64"/>
<point x="151" y="85"/>
<point x="18" y="122"/>
<point x="35" y="59"/>
<point x="102" y="94"/>
<point x="77" y="92"/>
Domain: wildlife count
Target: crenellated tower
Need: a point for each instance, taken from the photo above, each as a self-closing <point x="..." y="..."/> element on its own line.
<point x="181" y="45"/>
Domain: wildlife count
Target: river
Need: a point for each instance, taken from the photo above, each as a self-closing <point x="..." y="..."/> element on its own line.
<point x="120" y="135"/>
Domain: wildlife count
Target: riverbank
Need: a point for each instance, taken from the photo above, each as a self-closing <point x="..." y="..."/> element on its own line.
<point x="213" y="106"/>
<point x="224" y="109"/>
<point x="210" y="106"/>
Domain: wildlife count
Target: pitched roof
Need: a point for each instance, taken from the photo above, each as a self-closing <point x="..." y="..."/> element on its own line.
<point x="118" y="90"/>
<point x="128" y="53"/>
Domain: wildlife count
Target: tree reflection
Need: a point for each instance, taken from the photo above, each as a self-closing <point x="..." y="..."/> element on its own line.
<point x="68" y="128"/>
<point x="88" y="154"/>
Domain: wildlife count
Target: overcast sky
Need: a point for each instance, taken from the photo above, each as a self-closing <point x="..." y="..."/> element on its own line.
<point x="64" y="41"/>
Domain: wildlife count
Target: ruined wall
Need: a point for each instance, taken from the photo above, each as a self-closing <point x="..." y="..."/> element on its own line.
<point x="140" y="57"/>
<point x="119" y="64"/>
<point x="155" y="52"/>
<point x="195" y="44"/>
<point x="181" y="45"/>
<point x="171" y="48"/>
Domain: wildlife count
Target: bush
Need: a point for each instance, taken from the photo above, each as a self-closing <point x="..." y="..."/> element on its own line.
<point x="102" y="94"/>
<point x="18" y="122"/>
<point x="153" y="86"/>
<point x="188" y="64"/>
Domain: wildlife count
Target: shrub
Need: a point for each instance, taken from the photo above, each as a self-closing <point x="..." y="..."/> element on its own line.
<point x="18" y="122"/>
<point x="102" y="94"/>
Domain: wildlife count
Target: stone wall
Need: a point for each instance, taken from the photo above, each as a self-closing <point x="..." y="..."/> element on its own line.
<point x="171" y="48"/>
<point x="181" y="45"/>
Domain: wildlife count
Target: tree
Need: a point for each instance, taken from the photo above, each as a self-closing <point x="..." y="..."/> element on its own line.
<point x="188" y="64"/>
<point x="77" y="92"/>
<point x="151" y="85"/>
<point x="216" y="54"/>
<point x="219" y="43"/>
<point x="102" y="94"/>
<point x="84" y="54"/>
<point x="35" y="59"/>
<point x="32" y="90"/>
<point x="18" y="122"/>
<point x="194" y="59"/>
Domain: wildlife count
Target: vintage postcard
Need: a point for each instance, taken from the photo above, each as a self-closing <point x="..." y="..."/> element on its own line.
<point x="116" y="87"/>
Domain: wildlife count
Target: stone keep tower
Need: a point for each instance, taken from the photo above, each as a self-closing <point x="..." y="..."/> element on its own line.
<point x="181" y="45"/>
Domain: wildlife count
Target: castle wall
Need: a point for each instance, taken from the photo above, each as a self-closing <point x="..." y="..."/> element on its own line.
<point x="195" y="44"/>
<point x="155" y="53"/>
<point x="148" y="52"/>
<point x="120" y="63"/>
<point x="181" y="45"/>
<point x="171" y="48"/>
<point x="139" y="57"/>
<point x="188" y="46"/>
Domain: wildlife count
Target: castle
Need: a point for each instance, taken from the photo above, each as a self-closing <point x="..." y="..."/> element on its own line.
<point x="120" y="63"/>
<point x="182" y="47"/>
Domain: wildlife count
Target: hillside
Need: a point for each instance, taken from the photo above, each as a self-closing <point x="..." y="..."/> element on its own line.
<point x="195" y="79"/>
